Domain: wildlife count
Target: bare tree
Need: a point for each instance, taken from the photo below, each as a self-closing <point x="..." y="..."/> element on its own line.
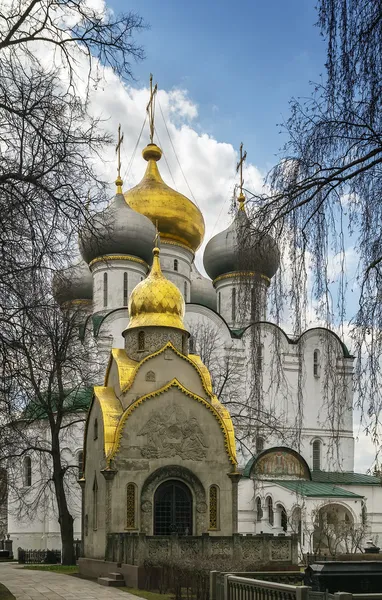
<point x="47" y="379"/>
<point x="323" y="199"/>
<point x="229" y="368"/>
<point x="48" y="145"/>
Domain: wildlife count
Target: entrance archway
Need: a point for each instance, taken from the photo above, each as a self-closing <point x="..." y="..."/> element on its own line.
<point x="172" y="508"/>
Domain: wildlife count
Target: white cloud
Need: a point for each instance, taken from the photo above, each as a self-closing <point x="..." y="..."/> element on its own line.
<point x="208" y="164"/>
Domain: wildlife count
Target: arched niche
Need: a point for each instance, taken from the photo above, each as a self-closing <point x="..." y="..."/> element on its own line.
<point x="185" y="476"/>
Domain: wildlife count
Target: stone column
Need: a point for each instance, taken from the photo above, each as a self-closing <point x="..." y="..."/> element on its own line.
<point x="235" y="478"/>
<point x="108" y="474"/>
<point x="277" y="528"/>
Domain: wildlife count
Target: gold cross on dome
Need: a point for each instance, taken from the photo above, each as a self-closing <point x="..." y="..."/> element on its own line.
<point x="239" y="167"/>
<point x="157" y="235"/>
<point x="150" y="108"/>
<point x="118" y="151"/>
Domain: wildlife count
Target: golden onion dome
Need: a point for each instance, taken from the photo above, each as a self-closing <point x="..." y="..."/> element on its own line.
<point x="177" y="218"/>
<point x="156" y="301"/>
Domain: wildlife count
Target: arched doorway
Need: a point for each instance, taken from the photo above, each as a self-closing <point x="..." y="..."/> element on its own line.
<point x="173" y="509"/>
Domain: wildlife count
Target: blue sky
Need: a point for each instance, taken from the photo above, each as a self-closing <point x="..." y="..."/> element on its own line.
<point x="240" y="62"/>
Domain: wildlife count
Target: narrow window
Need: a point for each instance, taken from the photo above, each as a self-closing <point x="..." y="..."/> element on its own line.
<point x="316" y="363"/>
<point x="175" y="265"/>
<point x="259" y="357"/>
<point x="27" y="471"/>
<point x="130" y="506"/>
<point x="105" y="290"/>
<point x="316" y="455"/>
<point x="233" y="304"/>
<point x="284" y="519"/>
<point x="191" y="343"/>
<point x="95" y="504"/>
<point x="270" y="511"/>
<point x="219" y="302"/>
<point x="125" y="290"/>
<point x="95" y="429"/>
<point x="253" y="302"/>
<point x="80" y="460"/>
<point x="86" y="524"/>
<point x="259" y="510"/>
<point x="185" y="291"/>
<point x="259" y="444"/>
<point x="141" y="341"/>
<point x="214" y="507"/>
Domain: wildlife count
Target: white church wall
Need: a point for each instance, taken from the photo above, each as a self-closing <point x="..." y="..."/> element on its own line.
<point x="176" y="266"/>
<point x="114" y="271"/>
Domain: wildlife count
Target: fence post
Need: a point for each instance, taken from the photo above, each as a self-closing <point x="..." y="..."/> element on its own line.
<point x="302" y="592"/>
<point x="213" y="585"/>
<point x="226" y="587"/>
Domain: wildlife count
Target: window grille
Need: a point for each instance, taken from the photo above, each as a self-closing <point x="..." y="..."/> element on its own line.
<point x="271" y="516"/>
<point x="214" y="519"/>
<point x="141" y="340"/>
<point x="259" y="444"/>
<point x="130" y="506"/>
<point x="219" y="302"/>
<point x="80" y="459"/>
<point x="316" y="363"/>
<point x="233" y="304"/>
<point x="185" y="291"/>
<point x="27" y="471"/>
<point x="316" y="455"/>
<point x="175" y="264"/>
<point x="105" y="293"/>
<point x="125" y="289"/>
<point x="259" y="510"/>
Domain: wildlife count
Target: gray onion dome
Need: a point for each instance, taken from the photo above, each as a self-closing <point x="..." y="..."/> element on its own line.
<point x="258" y="253"/>
<point x="202" y="290"/>
<point x="73" y="283"/>
<point x="117" y="230"/>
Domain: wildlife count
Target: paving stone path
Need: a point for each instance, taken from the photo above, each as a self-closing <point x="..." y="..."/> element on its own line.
<point x="44" y="585"/>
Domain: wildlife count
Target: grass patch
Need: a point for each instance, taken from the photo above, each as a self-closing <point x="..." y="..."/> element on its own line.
<point x="147" y="595"/>
<point x="5" y="594"/>
<point x="65" y="569"/>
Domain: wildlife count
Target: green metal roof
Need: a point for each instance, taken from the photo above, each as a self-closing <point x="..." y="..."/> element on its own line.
<point x="342" y="478"/>
<point x="314" y="489"/>
<point x="76" y="400"/>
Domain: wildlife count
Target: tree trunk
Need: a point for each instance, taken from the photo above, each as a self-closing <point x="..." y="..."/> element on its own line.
<point x="65" y="519"/>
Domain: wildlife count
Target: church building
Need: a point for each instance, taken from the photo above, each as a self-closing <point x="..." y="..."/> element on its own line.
<point x="208" y="419"/>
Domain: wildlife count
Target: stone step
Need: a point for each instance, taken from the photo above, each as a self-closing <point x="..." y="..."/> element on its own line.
<point x="116" y="576"/>
<point x="109" y="582"/>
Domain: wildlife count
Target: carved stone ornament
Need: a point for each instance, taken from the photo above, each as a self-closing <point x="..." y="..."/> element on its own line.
<point x="150" y="376"/>
<point x="147" y="506"/>
<point x="170" y="433"/>
<point x="201" y="507"/>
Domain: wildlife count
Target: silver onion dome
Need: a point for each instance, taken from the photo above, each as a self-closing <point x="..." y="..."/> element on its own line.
<point x="73" y="283"/>
<point x="202" y="290"/>
<point x="258" y="253"/>
<point x="117" y="230"/>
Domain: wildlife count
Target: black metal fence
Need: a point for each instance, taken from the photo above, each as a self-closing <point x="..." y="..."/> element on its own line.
<point x="47" y="557"/>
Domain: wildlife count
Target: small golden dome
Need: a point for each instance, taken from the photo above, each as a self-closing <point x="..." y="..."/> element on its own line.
<point x="178" y="218"/>
<point x="156" y="301"/>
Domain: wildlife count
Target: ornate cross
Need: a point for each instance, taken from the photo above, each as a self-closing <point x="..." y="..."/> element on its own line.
<point x="157" y="235"/>
<point x="118" y="151"/>
<point x="150" y="108"/>
<point x="239" y="166"/>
